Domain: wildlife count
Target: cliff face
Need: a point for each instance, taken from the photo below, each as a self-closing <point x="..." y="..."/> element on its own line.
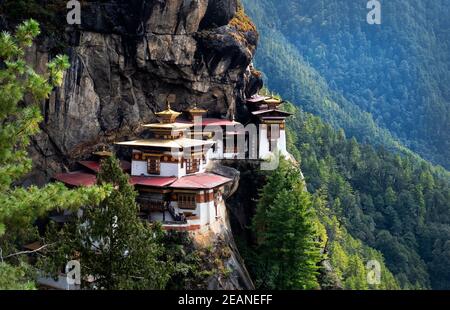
<point x="127" y="57"/>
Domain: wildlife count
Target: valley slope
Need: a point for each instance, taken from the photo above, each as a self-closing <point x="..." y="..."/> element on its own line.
<point x="382" y="84"/>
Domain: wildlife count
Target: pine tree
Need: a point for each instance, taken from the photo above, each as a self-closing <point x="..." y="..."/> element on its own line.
<point x="19" y="121"/>
<point x="113" y="245"/>
<point x="288" y="249"/>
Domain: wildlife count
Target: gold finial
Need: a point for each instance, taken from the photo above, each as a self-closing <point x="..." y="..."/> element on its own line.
<point x="168" y="116"/>
<point x="168" y="105"/>
<point x="104" y="152"/>
<point x="196" y="111"/>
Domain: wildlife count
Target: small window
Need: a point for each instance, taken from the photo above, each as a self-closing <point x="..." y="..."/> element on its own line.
<point x="154" y="165"/>
<point x="273" y="134"/>
<point x="192" y="165"/>
<point x="186" y="201"/>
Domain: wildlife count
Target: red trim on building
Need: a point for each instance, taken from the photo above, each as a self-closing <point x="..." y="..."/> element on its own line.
<point x="256" y="99"/>
<point x="94" y="166"/>
<point x="200" y="181"/>
<point x="152" y="181"/>
<point x="91" y="165"/>
<point x="272" y="112"/>
<point x="77" y="178"/>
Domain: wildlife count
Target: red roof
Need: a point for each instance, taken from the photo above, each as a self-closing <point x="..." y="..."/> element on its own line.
<point x="79" y="178"/>
<point x="76" y="178"/>
<point x="195" y="181"/>
<point x="272" y="112"/>
<point x="91" y="165"/>
<point x="201" y="180"/>
<point x="95" y="166"/>
<point x="256" y="98"/>
<point x="152" y="181"/>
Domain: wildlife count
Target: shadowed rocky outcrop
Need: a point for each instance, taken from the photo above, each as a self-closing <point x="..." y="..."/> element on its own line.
<point x="126" y="58"/>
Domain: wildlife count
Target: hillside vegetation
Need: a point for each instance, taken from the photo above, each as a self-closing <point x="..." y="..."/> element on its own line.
<point x="395" y="204"/>
<point x="379" y="83"/>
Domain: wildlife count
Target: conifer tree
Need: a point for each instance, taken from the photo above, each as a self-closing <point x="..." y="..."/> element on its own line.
<point x="114" y="246"/>
<point x="19" y="121"/>
<point x="288" y="248"/>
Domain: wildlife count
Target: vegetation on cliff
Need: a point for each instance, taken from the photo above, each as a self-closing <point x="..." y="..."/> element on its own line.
<point x="295" y="235"/>
<point x="241" y="21"/>
<point x="118" y="250"/>
<point x="20" y="206"/>
<point x="287" y="250"/>
<point x="397" y="205"/>
<point x="114" y="246"/>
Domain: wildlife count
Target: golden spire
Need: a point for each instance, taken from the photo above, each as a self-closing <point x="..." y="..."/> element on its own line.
<point x="196" y="112"/>
<point x="168" y="116"/>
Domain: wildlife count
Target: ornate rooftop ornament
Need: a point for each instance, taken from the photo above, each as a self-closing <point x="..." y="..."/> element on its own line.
<point x="103" y="152"/>
<point x="196" y="112"/>
<point x="168" y="116"/>
<point x="272" y="103"/>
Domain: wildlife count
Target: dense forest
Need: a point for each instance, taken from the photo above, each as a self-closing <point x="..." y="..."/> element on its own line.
<point x="380" y="83"/>
<point x="296" y="238"/>
<point x="395" y="204"/>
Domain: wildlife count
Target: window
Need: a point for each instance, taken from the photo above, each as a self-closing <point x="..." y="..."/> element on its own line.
<point x="273" y="134"/>
<point x="154" y="165"/>
<point x="192" y="165"/>
<point x="186" y="201"/>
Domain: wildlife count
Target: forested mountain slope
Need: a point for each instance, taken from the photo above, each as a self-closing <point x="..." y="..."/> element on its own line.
<point x="395" y="204"/>
<point x="373" y="81"/>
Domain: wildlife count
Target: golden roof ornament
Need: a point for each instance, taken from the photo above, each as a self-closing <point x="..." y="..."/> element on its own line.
<point x="103" y="153"/>
<point x="168" y="116"/>
<point x="196" y="112"/>
<point x="272" y="102"/>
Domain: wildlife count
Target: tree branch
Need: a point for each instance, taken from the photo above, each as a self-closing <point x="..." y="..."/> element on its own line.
<point x="28" y="252"/>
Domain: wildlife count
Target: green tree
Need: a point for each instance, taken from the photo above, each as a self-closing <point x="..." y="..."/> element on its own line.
<point x="114" y="246"/>
<point x="288" y="247"/>
<point x="395" y="204"/>
<point x="16" y="277"/>
<point x="19" y="121"/>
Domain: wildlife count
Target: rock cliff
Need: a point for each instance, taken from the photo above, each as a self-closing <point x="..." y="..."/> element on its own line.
<point x="126" y="58"/>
